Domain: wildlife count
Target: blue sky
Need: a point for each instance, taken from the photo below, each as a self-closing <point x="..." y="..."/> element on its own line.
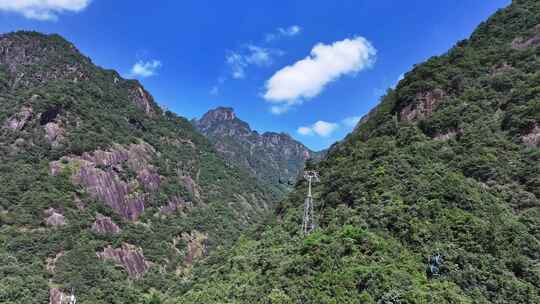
<point x="319" y="64"/>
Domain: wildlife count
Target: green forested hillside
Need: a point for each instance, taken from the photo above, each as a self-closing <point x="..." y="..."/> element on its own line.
<point x="434" y="198"/>
<point x="447" y="164"/>
<point x="101" y="191"/>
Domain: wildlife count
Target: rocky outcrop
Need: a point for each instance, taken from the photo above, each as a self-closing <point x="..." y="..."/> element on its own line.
<point x="273" y="157"/>
<point x="191" y="186"/>
<point x="447" y="135"/>
<point x="101" y="175"/>
<point x="521" y="43"/>
<point x="19" y="120"/>
<point x="21" y="50"/>
<point x="423" y="106"/>
<point x="104" y="225"/>
<point x="532" y="138"/>
<point x="51" y="262"/>
<point x="54" y="218"/>
<point x="218" y="115"/>
<point x="131" y="258"/>
<point x="142" y="99"/>
<point x="54" y="133"/>
<point x="175" y="204"/>
<point x="196" y="246"/>
<point x="107" y="186"/>
<point x="149" y="179"/>
<point x="56" y="296"/>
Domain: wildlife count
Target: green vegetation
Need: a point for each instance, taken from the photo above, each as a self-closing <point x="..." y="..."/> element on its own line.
<point x="441" y="166"/>
<point x="396" y="192"/>
<point x="96" y="109"/>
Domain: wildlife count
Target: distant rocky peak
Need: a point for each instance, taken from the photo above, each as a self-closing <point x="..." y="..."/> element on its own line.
<point x="223" y="120"/>
<point x="219" y="114"/>
<point x="275" y="158"/>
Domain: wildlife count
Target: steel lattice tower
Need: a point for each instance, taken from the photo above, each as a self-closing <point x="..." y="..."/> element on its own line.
<point x="308" y="223"/>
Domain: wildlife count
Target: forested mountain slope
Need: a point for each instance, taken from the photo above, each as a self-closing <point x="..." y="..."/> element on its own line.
<point x="274" y="158"/>
<point x="101" y="191"/>
<point x="434" y="198"/>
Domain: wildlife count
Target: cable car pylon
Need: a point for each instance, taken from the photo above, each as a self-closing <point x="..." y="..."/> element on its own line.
<point x="308" y="222"/>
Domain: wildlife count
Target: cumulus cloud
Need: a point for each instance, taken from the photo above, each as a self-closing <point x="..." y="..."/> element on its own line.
<point x="325" y="129"/>
<point x="251" y="54"/>
<point x="321" y="128"/>
<point x="145" y="68"/>
<point x="237" y="64"/>
<point x="351" y="121"/>
<point x="290" y="31"/>
<point x="308" y="77"/>
<point x="43" y="9"/>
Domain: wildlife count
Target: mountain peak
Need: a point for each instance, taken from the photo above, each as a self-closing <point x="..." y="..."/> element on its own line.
<point x="219" y="114"/>
<point x="272" y="157"/>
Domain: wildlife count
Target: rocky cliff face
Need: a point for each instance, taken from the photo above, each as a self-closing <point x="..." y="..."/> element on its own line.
<point x="129" y="257"/>
<point x="272" y="157"/>
<point x="92" y="168"/>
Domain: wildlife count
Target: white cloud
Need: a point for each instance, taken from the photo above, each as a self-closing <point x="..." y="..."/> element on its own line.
<point x="351" y="121"/>
<point x="321" y="128"/>
<point x="214" y="90"/>
<point x="280" y="109"/>
<point x="43" y="9"/>
<point x="290" y="31"/>
<point x="305" y="130"/>
<point x="145" y="68"/>
<point x="238" y="61"/>
<point x="308" y="77"/>
<point x="237" y="65"/>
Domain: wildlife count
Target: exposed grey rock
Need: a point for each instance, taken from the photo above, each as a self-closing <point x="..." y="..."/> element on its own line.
<point x="532" y="138"/>
<point x="54" y="133"/>
<point x="448" y="135"/>
<point x="423" y="106"/>
<point x="20" y="119"/>
<point x="94" y="172"/>
<point x="149" y="180"/>
<point x="175" y="204"/>
<point x="196" y="246"/>
<point x="51" y="262"/>
<point x="109" y="188"/>
<point x="21" y="50"/>
<point x="56" y="296"/>
<point x="104" y="225"/>
<point x="521" y="43"/>
<point x="55" y="218"/>
<point x="142" y="99"/>
<point x="131" y="258"/>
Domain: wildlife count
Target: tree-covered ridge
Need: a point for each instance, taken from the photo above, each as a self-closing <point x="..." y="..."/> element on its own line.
<point x="99" y="183"/>
<point x="447" y="164"/>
